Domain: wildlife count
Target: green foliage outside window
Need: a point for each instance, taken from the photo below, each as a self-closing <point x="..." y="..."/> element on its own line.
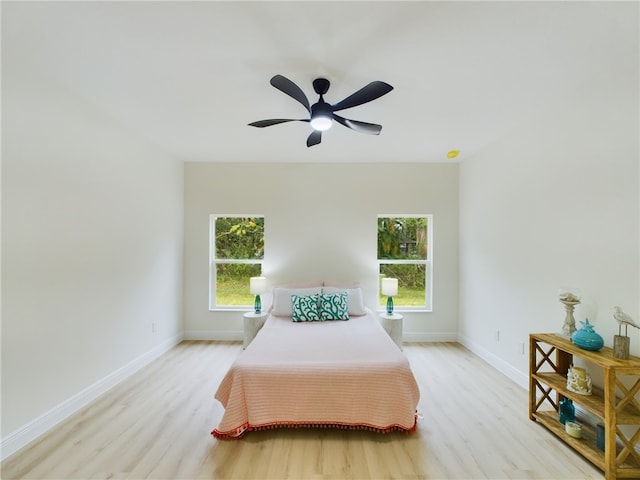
<point x="402" y="238"/>
<point x="239" y="249"/>
<point x="232" y="285"/>
<point x="239" y="238"/>
<point x="403" y="252"/>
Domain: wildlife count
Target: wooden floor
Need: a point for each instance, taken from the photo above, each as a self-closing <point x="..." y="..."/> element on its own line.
<point x="157" y="425"/>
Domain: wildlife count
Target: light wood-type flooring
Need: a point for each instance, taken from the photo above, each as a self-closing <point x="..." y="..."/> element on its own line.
<point x="157" y="425"/>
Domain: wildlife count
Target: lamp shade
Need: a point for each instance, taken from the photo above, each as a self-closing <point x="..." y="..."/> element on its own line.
<point x="390" y="287"/>
<point x="258" y="285"/>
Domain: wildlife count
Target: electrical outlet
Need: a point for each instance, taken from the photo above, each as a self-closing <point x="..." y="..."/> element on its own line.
<point x="154" y="327"/>
<point x="521" y="348"/>
<point x="497" y="335"/>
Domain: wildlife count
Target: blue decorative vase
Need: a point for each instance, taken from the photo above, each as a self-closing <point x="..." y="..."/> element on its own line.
<point x="586" y="338"/>
<point x="566" y="411"/>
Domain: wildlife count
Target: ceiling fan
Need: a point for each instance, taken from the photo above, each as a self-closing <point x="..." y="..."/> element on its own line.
<point x="321" y="113"/>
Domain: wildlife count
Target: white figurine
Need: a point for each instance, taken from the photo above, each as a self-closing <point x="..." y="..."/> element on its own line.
<point x="623" y="318"/>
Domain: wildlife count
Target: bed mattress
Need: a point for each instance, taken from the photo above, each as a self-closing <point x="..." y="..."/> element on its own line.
<point x="337" y="374"/>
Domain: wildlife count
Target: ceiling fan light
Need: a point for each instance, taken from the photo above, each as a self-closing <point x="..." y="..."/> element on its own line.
<point x="321" y="123"/>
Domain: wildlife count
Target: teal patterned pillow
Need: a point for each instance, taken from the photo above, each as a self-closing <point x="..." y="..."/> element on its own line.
<point x="304" y="308"/>
<point x="334" y="306"/>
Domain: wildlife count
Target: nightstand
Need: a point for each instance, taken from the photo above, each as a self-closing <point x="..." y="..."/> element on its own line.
<point x="253" y="322"/>
<point x="393" y="325"/>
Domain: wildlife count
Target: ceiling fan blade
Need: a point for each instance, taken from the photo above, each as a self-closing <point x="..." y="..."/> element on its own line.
<point x="362" y="127"/>
<point x="314" y="138"/>
<point x="287" y="86"/>
<point x="365" y="94"/>
<point x="275" y="121"/>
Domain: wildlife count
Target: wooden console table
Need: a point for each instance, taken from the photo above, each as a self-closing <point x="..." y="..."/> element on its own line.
<point x="615" y="404"/>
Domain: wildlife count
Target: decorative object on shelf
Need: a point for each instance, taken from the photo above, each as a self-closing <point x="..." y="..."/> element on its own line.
<point x="579" y="380"/>
<point x="621" y="342"/>
<point x="586" y="338"/>
<point x="566" y="411"/>
<point x="390" y="289"/>
<point x="570" y="297"/>
<point x="621" y="347"/>
<point x="257" y="286"/>
<point x="574" y="429"/>
<point x="600" y="436"/>
<point x="623" y="319"/>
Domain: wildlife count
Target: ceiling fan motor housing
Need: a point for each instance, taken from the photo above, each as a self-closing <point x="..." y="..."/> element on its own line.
<point x="321" y="115"/>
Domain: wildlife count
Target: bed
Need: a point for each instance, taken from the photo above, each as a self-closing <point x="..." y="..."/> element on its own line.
<point x="327" y="373"/>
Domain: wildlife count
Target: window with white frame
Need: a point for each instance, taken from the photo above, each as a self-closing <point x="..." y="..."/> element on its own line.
<point x="236" y="252"/>
<point x="405" y="253"/>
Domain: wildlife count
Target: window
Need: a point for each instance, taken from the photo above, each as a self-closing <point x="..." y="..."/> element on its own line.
<point x="236" y="251"/>
<point x="404" y="252"/>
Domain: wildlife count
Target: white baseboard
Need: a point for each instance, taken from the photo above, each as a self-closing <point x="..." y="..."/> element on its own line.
<point x="40" y="425"/>
<point x="214" y="335"/>
<point x="496" y="362"/>
<point x="429" y="337"/>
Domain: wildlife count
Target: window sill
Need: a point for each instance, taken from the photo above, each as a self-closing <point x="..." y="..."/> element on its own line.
<point x="233" y="309"/>
<point x="407" y="310"/>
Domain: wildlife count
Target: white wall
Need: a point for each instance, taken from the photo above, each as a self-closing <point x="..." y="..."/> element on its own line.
<point x="321" y="223"/>
<point x="554" y="203"/>
<point x="91" y="251"/>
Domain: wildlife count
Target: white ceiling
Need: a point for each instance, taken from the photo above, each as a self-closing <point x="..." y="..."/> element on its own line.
<point x="190" y="76"/>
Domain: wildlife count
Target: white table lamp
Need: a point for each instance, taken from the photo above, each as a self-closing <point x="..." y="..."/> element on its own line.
<point x="390" y="289"/>
<point x="258" y="286"/>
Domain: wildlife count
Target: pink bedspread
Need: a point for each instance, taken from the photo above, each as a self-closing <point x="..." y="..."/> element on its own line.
<point x="344" y="374"/>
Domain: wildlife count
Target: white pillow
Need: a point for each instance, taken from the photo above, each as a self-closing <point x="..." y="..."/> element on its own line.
<point x="356" y="303"/>
<point x="343" y="285"/>
<point x="282" y="304"/>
